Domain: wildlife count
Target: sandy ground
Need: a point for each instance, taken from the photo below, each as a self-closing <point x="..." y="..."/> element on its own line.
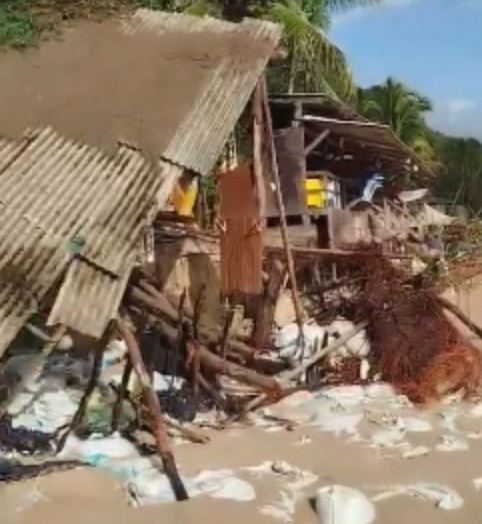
<point x="85" y="495"/>
<point x="94" y="495"/>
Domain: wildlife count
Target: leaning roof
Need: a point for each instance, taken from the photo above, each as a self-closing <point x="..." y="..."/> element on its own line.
<point x="118" y="114"/>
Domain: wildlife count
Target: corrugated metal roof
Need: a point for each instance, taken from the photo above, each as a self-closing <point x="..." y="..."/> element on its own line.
<point x="58" y="195"/>
<point x="201" y="136"/>
<point x="89" y="297"/>
<point x="53" y="192"/>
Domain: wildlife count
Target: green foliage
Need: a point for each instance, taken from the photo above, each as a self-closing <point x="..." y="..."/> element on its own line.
<point x="403" y="109"/>
<point x="18" y="26"/>
<point x="461" y="178"/>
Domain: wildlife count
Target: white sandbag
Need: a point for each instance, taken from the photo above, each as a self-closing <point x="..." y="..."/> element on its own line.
<point x="343" y="505"/>
<point x="357" y="346"/>
<point x="451" y="443"/>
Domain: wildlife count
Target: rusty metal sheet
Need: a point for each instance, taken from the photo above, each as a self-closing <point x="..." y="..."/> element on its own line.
<point x="241" y="238"/>
<point x="292" y="169"/>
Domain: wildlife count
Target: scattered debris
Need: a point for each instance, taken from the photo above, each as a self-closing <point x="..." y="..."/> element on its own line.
<point x="343" y="505"/>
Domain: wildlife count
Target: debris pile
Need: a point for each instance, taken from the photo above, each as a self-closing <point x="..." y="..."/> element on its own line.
<point x="414" y="346"/>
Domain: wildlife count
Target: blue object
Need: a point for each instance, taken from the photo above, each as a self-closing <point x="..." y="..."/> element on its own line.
<point x="371" y="185"/>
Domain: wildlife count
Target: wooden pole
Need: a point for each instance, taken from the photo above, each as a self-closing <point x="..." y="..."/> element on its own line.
<point x="280" y="204"/>
<point x="159" y="428"/>
<point x="216" y="364"/>
<point x="264" y="321"/>
<point x="446" y="304"/>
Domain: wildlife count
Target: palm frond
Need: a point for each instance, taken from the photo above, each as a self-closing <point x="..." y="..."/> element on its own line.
<point x="314" y="52"/>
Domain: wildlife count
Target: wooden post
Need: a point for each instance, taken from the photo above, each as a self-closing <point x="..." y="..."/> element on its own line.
<point x="280" y="204"/>
<point x="264" y="321"/>
<point x="159" y="428"/>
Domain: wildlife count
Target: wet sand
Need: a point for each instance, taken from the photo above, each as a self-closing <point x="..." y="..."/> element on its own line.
<point x="90" y="494"/>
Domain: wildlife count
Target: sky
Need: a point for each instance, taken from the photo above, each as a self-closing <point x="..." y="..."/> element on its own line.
<point x="434" y="46"/>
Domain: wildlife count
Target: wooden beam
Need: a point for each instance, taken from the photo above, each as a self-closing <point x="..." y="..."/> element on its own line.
<point x="317" y="141"/>
<point x="158" y="425"/>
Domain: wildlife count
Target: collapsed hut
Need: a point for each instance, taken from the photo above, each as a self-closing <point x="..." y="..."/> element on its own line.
<point x="93" y="244"/>
<point x="95" y="148"/>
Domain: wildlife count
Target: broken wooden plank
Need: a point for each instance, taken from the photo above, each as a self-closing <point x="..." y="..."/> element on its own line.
<point x="158" y="424"/>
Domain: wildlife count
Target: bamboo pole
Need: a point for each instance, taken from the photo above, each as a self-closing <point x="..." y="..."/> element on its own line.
<point x="280" y="205"/>
<point x="159" y="428"/>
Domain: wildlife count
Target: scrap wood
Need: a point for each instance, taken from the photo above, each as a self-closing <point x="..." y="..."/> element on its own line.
<point x="414" y="346"/>
<point x="216" y="364"/>
<point x="159" y="429"/>
<point x="288" y="376"/>
<point x="156" y="303"/>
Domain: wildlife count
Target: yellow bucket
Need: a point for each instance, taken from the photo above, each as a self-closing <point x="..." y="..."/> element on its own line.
<point x="315" y="194"/>
<point x="184" y="196"/>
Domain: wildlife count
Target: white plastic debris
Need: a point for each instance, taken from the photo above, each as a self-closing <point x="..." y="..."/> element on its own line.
<point x="164" y="382"/>
<point x="294" y="347"/>
<point x="476" y="411"/>
<point x="93" y="450"/>
<point x="477" y="483"/>
<point x="223" y="484"/>
<point x="452" y="443"/>
<point x="42" y="410"/>
<point x="282" y="509"/>
<point x="357" y="346"/>
<point x="416" y="425"/>
<point x="337" y="422"/>
<point x="364" y="369"/>
<point x="343" y="505"/>
<point x="344" y="396"/>
<point x="152" y="487"/>
<point x="388" y="438"/>
<point x="114" y="353"/>
<point x="442" y="497"/>
<point x="420" y="451"/>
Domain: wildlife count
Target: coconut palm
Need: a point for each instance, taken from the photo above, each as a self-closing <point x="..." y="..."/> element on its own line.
<point x="313" y="62"/>
<point x="403" y="109"/>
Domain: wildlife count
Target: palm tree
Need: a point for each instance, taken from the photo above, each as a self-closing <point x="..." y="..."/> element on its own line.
<point x="403" y="109"/>
<point x="313" y="63"/>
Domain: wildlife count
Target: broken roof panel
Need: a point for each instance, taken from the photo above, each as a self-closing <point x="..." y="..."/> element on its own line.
<point x="74" y="210"/>
<point x="166" y="84"/>
<point x="377" y="138"/>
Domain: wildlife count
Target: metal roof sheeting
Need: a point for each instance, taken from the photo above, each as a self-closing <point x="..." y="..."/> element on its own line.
<point x="71" y="211"/>
<point x="202" y="134"/>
